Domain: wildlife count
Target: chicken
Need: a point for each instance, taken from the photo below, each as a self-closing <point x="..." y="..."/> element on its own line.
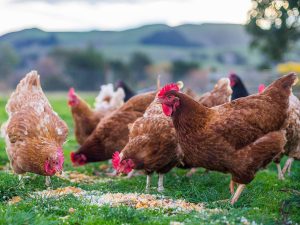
<point x="239" y="137"/>
<point x="111" y="133"/>
<point x="108" y="99"/>
<point x="218" y="96"/>
<point x="153" y="144"/>
<point x="191" y="93"/>
<point x="261" y="88"/>
<point x="128" y="92"/>
<point x="292" y="148"/>
<point x="238" y="88"/>
<point x="34" y="133"/>
<point x="85" y="118"/>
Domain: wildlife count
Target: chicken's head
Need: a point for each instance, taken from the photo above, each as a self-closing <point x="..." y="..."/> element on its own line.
<point x="122" y="165"/>
<point x="73" y="99"/>
<point x="168" y="99"/>
<point x="234" y="79"/>
<point x="54" y="163"/>
<point x="78" y="159"/>
<point x="261" y="88"/>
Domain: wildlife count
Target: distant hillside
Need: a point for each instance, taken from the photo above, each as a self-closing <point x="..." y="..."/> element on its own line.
<point x="206" y="35"/>
<point x="218" y="48"/>
<point x="210" y="44"/>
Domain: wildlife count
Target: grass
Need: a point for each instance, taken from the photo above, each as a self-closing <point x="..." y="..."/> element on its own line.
<point x="266" y="200"/>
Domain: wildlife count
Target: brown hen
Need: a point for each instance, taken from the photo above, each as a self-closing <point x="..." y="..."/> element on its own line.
<point x="218" y="96"/>
<point x="153" y="145"/>
<point x="111" y="134"/>
<point x="85" y="118"/>
<point x="239" y="137"/>
<point x="34" y="133"/>
<point x="292" y="148"/>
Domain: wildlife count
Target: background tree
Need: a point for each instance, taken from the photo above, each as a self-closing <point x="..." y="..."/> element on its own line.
<point x="120" y="70"/>
<point x="8" y="61"/>
<point x="138" y="64"/>
<point x="274" y="26"/>
<point x="180" y="68"/>
<point x="84" y="67"/>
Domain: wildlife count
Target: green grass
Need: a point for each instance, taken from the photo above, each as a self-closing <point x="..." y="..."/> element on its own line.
<point x="266" y="200"/>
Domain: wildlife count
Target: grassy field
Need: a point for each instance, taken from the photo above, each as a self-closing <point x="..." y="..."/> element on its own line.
<point x="265" y="201"/>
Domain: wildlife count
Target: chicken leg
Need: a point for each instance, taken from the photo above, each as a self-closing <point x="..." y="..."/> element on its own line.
<point x="280" y="174"/>
<point x="148" y="183"/>
<point x="237" y="194"/>
<point x="21" y="181"/>
<point x="287" y="166"/>
<point x="160" y="183"/>
<point x="191" y="172"/>
<point x="130" y="174"/>
<point x="48" y="181"/>
<point x="231" y="186"/>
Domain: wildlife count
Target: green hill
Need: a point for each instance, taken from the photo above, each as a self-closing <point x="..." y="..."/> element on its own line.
<point x="212" y="44"/>
<point x="206" y="34"/>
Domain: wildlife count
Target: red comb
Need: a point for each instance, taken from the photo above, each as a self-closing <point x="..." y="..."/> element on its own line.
<point x="261" y="88"/>
<point x="72" y="156"/>
<point x="116" y="160"/>
<point x="168" y="87"/>
<point x="71" y="92"/>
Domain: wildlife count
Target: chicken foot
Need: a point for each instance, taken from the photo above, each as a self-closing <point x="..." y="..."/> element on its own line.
<point x="130" y="174"/>
<point x="21" y="181"/>
<point x="280" y="174"/>
<point x="287" y="166"/>
<point x="237" y="193"/>
<point x="48" y="181"/>
<point x="160" y="187"/>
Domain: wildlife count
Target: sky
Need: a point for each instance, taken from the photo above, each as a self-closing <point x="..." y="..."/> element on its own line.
<point x="84" y="15"/>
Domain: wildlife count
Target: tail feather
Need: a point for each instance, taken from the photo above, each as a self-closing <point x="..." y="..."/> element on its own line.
<point x="30" y="80"/>
<point x="27" y="91"/>
<point x="258" y="155"/>
<point x="284" y="83"/>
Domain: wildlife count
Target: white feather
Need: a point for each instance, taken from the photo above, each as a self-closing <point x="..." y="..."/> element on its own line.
<point x="115" y="98"/>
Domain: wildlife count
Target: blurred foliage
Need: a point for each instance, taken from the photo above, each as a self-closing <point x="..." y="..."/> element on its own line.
<point x="85" y="67"/>
<point x="120" y="70"/>
<point x="288" y="67"/>
<point x="138" y="65"/>
<point x="274" y="26"/>
<point x="180" y="68"/>
<point x="8" y="61"/>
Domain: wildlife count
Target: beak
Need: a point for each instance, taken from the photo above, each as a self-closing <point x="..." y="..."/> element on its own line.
<point x="118" y="174"/>
<point x="159" y="101"/>
<point x="59" y="173"/>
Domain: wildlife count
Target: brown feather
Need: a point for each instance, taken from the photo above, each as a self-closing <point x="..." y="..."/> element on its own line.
<point x="33" y="132"/>
<point x="111" y="134"/>
<point x="226" y="137"/>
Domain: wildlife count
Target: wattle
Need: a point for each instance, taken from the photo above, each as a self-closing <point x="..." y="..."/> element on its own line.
<point x="167" y="110"/>
<point x="49" y="170"/>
